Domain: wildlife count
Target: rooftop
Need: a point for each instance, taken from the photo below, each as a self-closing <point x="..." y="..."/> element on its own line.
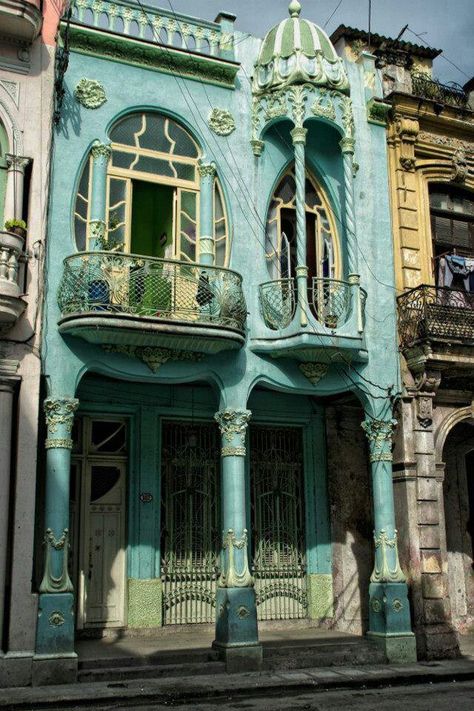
<point x="382" y="42"/>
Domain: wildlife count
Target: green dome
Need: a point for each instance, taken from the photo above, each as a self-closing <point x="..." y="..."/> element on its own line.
<point x="298" y="51"/>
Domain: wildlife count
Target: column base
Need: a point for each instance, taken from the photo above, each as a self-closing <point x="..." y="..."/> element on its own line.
<point x="55" y="628"/>
<point x="15" y="669"/>
<point x="236" y="629"/>
<point x="398" y="648"/>
<point x="389" y="621"/>
<point x="54" y="669"/>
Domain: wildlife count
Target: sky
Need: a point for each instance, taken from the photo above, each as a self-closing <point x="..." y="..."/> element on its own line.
<point x="444" y="24"/>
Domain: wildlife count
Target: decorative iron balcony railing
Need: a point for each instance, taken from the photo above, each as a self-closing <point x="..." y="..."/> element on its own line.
<point x="437" y="313"/>
<point x="146" y="287"/>
<point x="329" y="302"/>
<point x="452" y="94"/>
<point x="154" y="25"/>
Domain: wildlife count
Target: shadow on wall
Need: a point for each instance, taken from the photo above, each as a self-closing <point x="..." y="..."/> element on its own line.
<point x="351" y="516"/>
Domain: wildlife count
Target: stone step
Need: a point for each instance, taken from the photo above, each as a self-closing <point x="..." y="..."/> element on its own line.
<point x="149" y="671"/>
<point x="163" y="658"/>
<point x="291" y="657"/>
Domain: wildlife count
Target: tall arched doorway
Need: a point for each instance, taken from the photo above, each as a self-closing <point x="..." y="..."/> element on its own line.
<point x="458" y="454"/>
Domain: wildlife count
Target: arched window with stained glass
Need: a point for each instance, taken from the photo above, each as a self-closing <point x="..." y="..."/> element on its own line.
<point x="153" y="193"/>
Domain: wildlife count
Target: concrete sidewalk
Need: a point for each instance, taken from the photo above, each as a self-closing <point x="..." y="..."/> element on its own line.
<point x="249" y="685"/>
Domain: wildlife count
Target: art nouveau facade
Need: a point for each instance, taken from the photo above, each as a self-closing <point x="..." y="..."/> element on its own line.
<point x="219" y="405"/>
<point x="431" y="153"/>
<point x="26" y="91"/>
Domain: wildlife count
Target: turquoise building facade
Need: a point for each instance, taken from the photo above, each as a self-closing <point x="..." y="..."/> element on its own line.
<point x="219" y="273"/>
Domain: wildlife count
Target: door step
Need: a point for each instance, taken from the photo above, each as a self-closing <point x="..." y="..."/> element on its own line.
<point x="277" y="656"/>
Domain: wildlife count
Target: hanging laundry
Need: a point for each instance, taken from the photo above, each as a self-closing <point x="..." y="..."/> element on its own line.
<point x="457" y="264"/>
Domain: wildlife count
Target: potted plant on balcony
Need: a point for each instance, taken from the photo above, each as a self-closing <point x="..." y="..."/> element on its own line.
<point x="17" y="227"/>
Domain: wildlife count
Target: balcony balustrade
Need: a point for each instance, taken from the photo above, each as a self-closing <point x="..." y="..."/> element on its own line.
<point x="434" y="313"/>
<point x="20" y="20"/>
<point x="427" y="88"/>
<point x="11" y="303"/>
<point x="115" y="298"/>
<point x="332" y="320"/>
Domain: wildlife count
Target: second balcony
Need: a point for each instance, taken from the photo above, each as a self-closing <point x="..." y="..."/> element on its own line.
<point x="125" y="299"/>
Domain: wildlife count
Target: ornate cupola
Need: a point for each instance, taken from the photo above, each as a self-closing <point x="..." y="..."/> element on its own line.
<point x="297" y="51"/>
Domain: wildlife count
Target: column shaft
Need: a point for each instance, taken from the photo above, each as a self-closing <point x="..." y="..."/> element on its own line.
<point x="347" y="147"/>
<point x="97" y="223"/>
<point x="236" y="622"/>
<point x="206" y="214"/>
<point x="389" y="612"/>
<point x="6" y="412"/>
<point x="15" y="186"/>
<point x="55" y="632"/>
<point x="299" y="139"/>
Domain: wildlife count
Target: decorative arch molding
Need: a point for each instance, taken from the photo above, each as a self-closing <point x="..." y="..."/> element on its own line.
<point x="8" y="118"/>
<point x="450" y="421"/>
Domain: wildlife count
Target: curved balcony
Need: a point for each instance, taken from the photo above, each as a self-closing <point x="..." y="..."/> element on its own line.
<point x="21" y="19"/>
<point x="329" y="320"/>
<point x="127" y="299"/>
<point x="11" y="303"/>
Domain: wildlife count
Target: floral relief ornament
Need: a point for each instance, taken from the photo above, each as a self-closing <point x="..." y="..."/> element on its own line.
<point x="221" y="122"/>
<point x="90" y="93"/>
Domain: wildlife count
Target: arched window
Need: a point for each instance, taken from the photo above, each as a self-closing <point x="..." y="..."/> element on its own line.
<point x="322" y="246"/>
<point x="153" y="192"/>
<point x="3" y="172"/>
<point x="452" y="229"/>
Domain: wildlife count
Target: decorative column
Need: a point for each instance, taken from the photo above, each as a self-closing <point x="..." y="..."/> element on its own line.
<point x="236" y="621"/>
<point x="389" y="612"/>
<point x="206" y="215"/>
<point x="347" y="147"/>
<point x="7" y="389"/>
<point x="55" y="630"/>
<point x="298" y="135"/>
<point x="101" y="153"/>
<point x="15" y="183"/>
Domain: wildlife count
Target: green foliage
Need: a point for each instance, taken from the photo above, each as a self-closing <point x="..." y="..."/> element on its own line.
<point x="10" y="224"/>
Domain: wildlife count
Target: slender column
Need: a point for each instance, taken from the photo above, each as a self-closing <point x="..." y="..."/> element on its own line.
<point x="15" y="185"/>
<point x="389" y="612"/>
<point x="236" y="622"/>
<point x="55" y="631"/>
<point x="347" y="148"/>
<point x="298" y="135"/>
<point x="101" y="153"/>
<point x="7" y="387"/>
<point x="206" y="216"/>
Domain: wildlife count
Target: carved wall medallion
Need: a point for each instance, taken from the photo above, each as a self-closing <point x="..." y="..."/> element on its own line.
<point x="221" y="122"/>
<point x="90" y="93"/>
<point x="425" y="410"/>
<point x="56" y="618"/>
<point x="376" y="605"/>
<point x="243" y="612"/>
<point x="397" y="605"/>
<point x="407" y="164"/>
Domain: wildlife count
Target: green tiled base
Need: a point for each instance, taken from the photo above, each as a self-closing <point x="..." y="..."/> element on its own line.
<point x="320" y="596"/>
<point x="145" y="603"/>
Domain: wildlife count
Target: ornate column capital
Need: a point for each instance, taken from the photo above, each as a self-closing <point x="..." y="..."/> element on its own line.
<point x="347" y="145"/>
<point x="233" y="426"/>
<point x="59" y="415"/>
<point x="206" y="170"/>
<point x="379" y="433"/>
<point x="17" y="163"/>
<point x="298" y="135"/>
<point x="101" y="151"/>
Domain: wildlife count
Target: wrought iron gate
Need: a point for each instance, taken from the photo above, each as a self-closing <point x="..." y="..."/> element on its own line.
<point x="278" y="522"/>
<point x="190" y="536"/>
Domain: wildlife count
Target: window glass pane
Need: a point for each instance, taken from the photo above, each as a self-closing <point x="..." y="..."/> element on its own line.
<point x="103" y="479"/>
<point x="107" y="436"/>
<point x="124" y="131"/>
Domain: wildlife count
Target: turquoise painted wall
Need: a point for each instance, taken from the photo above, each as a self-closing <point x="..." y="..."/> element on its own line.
<point x="248" y="183"/>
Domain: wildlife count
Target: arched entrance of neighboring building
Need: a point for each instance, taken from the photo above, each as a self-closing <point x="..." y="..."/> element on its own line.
<point x="458" y="454"/>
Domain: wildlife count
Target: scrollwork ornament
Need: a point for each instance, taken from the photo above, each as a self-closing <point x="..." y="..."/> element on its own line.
<point x="61" y="443"/>
<point x="60" y="413"/>
<point x="314" y="371"/>
<point x="207" y="170"/>
<point x="233" y="451"/>
<point x="52" y="583"/>
<point x="56" y="619"/>
<point x="383" y="573"/>
<point x="231" y="578"/>
<point x="221" y="122"/>
<point x="90" y="93"/>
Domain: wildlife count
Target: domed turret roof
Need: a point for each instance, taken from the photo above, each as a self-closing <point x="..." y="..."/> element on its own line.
<point x="297" y="51"/>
